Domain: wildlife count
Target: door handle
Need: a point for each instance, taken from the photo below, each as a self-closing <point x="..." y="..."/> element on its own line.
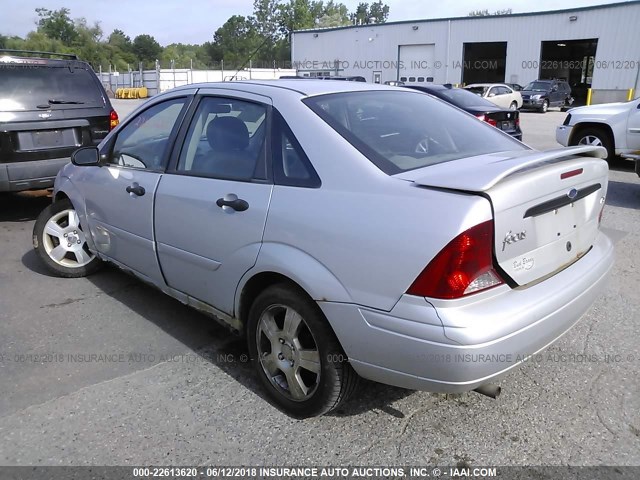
<point x="136" y="189"/>
<point x="232" y="201"/>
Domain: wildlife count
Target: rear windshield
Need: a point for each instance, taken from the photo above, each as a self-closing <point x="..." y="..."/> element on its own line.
<point x="477" y="90"/>
<point x="465" y="99"/>
<point x="25" y="87"/>
<point x="401" y="131"/>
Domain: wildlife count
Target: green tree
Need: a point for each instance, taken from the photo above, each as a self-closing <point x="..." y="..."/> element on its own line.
<point x="146" y="49"/>
<point x="237" y="39"/>
<point x="333" y="15"/>
<point x="56" y="24"/>
<point x="366" y="14"/>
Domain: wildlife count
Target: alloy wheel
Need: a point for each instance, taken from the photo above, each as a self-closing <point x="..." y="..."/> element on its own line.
<point x="65" y="242"/>
<point x="288" y="352"/>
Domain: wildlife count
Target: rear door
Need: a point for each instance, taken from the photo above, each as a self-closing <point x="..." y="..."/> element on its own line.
<point x="498" y="96"/>
<point x="211" y="208"/>
<point x="119" y="196"/>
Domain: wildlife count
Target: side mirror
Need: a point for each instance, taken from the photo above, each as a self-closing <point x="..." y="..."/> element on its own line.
<point x="86" y="157"/>
<point x="554" y="88"/>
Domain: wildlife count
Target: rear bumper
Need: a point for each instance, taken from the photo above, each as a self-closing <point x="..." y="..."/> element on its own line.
<point x="456" y="346"/>
<point x="18" y="176"/>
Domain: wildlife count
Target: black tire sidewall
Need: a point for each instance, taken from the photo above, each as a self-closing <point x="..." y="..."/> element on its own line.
<point x="324" y="398"/>
<point x="38" y="234"/>
<point x="600" y="134"/>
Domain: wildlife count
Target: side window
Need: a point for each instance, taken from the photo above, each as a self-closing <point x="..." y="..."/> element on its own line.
<point x="290" y="164"/>
<point x="225" y="140"/>
<point x="144" y="141"/>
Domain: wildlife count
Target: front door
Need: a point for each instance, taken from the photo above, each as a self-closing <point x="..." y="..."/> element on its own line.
<point x="120" y="193"/>
<point x="211" y="207"/>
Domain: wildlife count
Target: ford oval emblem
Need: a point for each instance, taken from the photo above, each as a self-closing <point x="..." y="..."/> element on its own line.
<point x="573" y="193"/>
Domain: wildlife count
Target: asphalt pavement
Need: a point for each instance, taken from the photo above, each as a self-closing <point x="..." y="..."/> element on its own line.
<point x="106" y="370"/>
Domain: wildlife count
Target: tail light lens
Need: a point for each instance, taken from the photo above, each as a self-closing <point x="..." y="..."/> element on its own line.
<point x="482" y="117"/>
<point x="113" y="120"/>
<point x="463" y="267"/>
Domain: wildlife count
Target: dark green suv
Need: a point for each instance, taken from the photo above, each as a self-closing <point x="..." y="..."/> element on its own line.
<point x="49" y="107"/>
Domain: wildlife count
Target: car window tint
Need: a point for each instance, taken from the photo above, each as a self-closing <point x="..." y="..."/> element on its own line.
<point x="143" y="142"/>
<point x="25" y="87"/>
<point x="290" y="164"/>
<point x="462" y="98"/>
<point x="225" y="139"/>
<point x="400" y="131"/>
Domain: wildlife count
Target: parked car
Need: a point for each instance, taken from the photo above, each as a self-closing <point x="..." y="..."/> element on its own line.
<point x="48" y="108"/>
<point x="614" y="126"/>
<point x="542" y="94"/>
<point x="351" y="78"/>
<point x="497" y="93"/>
<point x="346" y="229"/>
<point x="506" y="120"/>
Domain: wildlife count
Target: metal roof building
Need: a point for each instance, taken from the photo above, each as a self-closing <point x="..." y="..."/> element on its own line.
<point x="593" y="47"/>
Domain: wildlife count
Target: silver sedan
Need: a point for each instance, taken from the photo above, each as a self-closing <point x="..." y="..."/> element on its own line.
<point x="347" y="230"/>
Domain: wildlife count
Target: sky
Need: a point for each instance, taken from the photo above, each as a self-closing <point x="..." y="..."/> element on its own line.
<point x="194" y="21"/>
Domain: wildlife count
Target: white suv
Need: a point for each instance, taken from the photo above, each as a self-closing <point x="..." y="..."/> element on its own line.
<point x="615" y="126"/>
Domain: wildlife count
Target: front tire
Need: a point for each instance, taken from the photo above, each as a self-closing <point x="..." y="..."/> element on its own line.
<point x="513" y="106"/>
<point x="60" y="242"/>
<point x="296" y="354"/>
<point x="596" y="137"/>
<point x="544" y="107"/>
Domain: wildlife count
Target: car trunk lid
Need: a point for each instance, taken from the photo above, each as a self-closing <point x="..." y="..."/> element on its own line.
<point x="546" y="205"/>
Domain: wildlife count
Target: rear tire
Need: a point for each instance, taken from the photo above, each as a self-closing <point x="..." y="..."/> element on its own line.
<point x="60" y="242"/>
<point x="595" y="136"/>
<point x="296" y="355"/>
<point x="513" y="106"/>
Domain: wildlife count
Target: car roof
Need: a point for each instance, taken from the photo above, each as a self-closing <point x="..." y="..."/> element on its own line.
<point x="430" y="86"/>
<point x="302" y="87"/>
<point x="6" y="59"/>
<point x="487" y="85"/>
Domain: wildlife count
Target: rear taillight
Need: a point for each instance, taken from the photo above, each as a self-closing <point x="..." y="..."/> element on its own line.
<point x="463" y="267"/>
<point x="484" y="118"/>
<point x="113" y="120"/>
<point x="517" y="120"/>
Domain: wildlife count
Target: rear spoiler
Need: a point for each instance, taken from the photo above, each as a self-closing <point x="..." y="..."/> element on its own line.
<point x="472" y="175"/>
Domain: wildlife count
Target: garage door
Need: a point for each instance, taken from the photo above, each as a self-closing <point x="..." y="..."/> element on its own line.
<point x="416" y="63"/>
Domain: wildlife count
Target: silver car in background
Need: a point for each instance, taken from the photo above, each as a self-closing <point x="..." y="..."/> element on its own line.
<point x="345" y="229"/>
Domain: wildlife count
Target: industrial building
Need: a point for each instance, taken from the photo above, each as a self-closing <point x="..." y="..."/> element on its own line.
<point x="594" y="47"/>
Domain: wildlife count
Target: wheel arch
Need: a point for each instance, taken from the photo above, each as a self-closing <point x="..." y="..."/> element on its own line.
<point x="581" y="126"/>
<point x="303" y="272"/>
<point x="65" y="189"/>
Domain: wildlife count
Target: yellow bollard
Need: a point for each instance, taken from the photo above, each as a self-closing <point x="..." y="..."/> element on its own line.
<point x="589" y="96"/>
<point x="630" y="95"/>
